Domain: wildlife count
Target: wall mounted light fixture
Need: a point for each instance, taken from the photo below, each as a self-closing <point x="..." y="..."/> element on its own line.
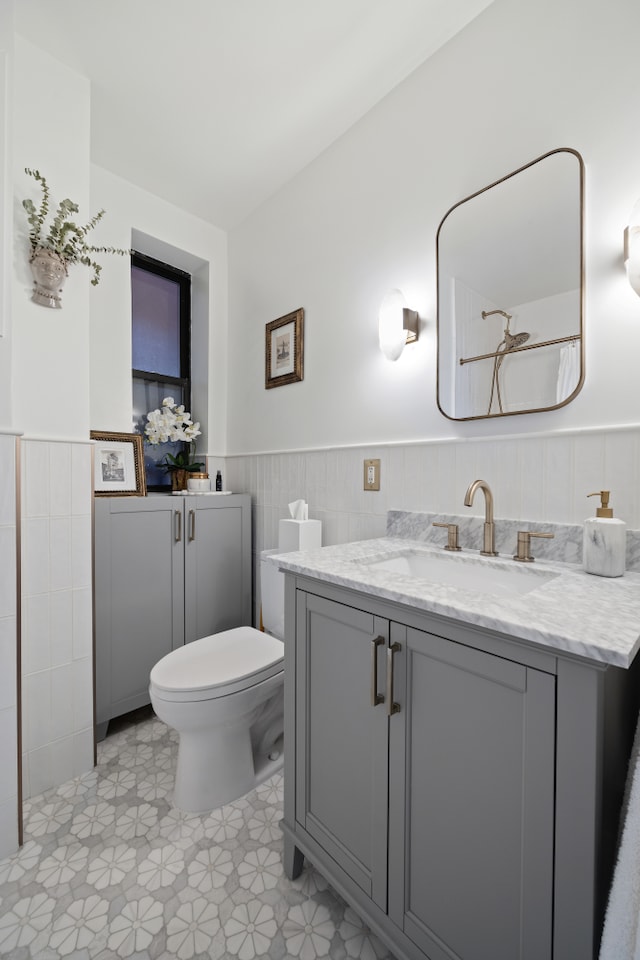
<point x="632" y="249"/>
<point x="397" y="325"/>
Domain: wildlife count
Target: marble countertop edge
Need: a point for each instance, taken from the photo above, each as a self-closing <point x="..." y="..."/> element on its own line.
<point x="596" y="618"/>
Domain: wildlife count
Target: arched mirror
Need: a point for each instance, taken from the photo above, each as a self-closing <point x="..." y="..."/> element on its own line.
<point x="510" y="293"/>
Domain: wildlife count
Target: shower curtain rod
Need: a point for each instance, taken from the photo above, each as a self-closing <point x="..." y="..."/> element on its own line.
<point x="528" y="346"/>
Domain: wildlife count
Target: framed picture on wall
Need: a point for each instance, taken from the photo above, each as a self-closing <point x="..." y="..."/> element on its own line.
<point x="118" y="463"/>
<point x="284" y="349"/>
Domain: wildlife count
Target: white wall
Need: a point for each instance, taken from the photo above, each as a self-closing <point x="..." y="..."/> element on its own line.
<point x="6" y="233"/>
<point x="50" y="347"/>
<point x="50" y="402"/>
<point x="518" y="81"/>
<point x="140" y="219"/>
<point x="8" y="527"/>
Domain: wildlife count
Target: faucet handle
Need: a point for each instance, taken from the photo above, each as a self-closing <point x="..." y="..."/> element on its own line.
<point x="524" y="544"/>
<point x="452" y="540"/>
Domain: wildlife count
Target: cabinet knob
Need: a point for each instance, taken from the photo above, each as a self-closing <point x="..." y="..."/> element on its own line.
<point x="524" y="544"/>
<point x="177" y="525"/>
<point x="192" y="524"/>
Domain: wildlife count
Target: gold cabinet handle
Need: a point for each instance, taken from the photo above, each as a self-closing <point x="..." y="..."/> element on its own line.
<point x="376" y="697"/>
<point x="192" y="524"/>
<point x="391" y="706"/>
<point x="177" y="525"/>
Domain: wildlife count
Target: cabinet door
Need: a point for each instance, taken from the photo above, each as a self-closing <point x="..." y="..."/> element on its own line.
<point x="342" y="739"/>
<point x="471" y="819"/>
<point x="217" y="533"/>
<point x="139" y="596"/>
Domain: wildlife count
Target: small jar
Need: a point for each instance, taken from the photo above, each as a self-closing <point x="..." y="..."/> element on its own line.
<point x="198" y="483"/>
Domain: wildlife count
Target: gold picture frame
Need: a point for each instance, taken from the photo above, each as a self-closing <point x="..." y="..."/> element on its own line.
<point x="284" y="350"/>
<point x="118" y="460"/>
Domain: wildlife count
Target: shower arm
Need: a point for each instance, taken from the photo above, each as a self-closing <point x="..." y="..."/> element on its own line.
<point x="528" y="346"/>
<point x="507" y="316"/>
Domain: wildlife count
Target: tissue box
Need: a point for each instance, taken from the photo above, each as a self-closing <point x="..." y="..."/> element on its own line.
<point x="299" y="535"/>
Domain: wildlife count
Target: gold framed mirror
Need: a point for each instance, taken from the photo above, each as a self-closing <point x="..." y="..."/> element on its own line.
<point x="510" y="268"/>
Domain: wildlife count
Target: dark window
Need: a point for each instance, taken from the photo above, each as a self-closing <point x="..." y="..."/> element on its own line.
<point x="161" y="325"/>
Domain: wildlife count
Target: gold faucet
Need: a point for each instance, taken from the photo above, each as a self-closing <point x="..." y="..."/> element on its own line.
<point x="489" y="535"/>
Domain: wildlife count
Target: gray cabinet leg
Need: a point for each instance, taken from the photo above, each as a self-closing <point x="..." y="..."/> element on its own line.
<point x="293" y="859"/>
<point x="101" y="730"/>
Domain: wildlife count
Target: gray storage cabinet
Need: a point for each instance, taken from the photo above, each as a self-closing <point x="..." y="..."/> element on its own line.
<point x="168" y="570"/>
<point x="465" y="817"/>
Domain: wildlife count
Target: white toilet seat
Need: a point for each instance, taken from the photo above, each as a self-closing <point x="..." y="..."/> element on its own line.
<point x="217" y="666"/>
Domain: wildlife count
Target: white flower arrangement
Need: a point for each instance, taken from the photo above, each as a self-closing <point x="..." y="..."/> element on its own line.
<point x="173" y="423"/>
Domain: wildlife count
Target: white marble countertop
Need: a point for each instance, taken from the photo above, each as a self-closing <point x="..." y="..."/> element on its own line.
<point x="573" y="611"/>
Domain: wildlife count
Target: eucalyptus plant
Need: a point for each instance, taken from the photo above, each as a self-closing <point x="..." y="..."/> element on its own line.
<point x="64" y="237"/>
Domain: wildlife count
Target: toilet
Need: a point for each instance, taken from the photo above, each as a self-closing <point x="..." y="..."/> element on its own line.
<point x="223" y="695"/>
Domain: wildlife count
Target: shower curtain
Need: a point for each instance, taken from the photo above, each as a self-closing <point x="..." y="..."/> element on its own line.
<point x="568" y="371"/>
<point x="621" y="933"/>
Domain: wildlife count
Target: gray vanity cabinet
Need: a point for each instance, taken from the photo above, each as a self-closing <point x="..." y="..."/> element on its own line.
<point x="168" y="570"/>
<point x="458" y="780"/>
<point x="471" y="801"/>
<point x="342" y="743"/>
<point x="460" y="789"/>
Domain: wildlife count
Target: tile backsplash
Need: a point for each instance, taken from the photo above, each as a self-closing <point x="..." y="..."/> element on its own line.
<point x="566" y="545"/>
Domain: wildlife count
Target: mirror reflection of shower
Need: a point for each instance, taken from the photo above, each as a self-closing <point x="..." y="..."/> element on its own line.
<point x="508" y="343"/>
<point x="517" y="245"/>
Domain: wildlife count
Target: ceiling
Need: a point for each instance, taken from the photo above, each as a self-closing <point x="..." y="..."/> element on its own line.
<point x="215" y="104"/>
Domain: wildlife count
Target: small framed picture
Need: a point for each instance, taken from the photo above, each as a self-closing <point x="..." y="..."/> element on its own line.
<point x="284" y="349"/>
<point x="118" y="465"/>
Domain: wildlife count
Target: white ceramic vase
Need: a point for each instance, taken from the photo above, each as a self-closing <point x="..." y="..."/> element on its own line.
<point x="49" y="274"/>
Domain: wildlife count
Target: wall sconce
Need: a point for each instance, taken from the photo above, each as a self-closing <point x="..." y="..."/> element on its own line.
<point x="397" y="325"/>
<point x="632" y="254"/>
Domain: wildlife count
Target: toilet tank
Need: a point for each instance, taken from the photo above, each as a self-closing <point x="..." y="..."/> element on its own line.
<point x="272" y="595"/>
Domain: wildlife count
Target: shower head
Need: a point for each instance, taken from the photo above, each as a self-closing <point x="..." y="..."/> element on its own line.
<point x="513" y="340"/>
<point x="510" y="342"/>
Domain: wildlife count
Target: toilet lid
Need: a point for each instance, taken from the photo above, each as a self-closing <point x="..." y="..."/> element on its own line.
<point x="217" y="665"/>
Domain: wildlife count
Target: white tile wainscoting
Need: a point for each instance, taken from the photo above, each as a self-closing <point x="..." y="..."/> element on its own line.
<point x="8" y="647"/>
<point x="543" y="477"/>
<point x="57" y="635"/>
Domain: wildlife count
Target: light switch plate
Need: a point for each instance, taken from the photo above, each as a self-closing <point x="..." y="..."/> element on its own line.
<point x="371" y="474"/>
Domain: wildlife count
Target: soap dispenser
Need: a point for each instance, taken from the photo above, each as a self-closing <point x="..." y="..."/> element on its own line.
<point x="605" y="540"/>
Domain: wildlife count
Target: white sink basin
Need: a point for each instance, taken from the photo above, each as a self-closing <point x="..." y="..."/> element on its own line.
<point x="481" y="575"/>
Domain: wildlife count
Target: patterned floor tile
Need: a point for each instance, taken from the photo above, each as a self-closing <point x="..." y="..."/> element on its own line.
<point x="110" y="870"/>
